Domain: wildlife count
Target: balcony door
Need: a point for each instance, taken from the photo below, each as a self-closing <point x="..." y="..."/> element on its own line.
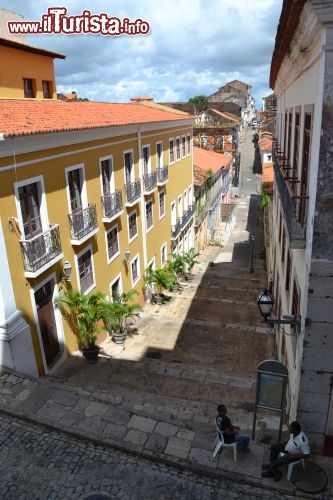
<point x="47" y="322"/>
<point x="128" y="159"/>
<point x="29" y="198"/>
<point x="75" y="194"/>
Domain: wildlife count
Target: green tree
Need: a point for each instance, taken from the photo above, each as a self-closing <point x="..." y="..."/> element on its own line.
<point x="198" y="99"/>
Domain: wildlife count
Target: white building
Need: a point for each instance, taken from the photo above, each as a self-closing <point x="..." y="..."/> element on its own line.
<point x="301" y="249"/>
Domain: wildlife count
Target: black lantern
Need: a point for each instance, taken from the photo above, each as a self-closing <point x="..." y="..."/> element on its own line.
<point x="265" y="303"/>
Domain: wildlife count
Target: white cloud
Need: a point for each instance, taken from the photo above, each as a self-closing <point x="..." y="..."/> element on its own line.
<point x="193" y="47"/>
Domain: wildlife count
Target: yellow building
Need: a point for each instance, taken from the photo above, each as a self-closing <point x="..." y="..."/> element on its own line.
<point x="26" y="71"/>
<point x="106" y="188"/>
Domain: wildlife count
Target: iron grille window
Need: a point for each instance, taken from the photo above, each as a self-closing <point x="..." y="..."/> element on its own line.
<point x="106" y="176"/>
<point x="30" y="209"/>
<point x="171" y="151"/>
<point x="149" y="215"/>
<point x="296" y="146"/>
<point x="85" y="271"/>
<point x="287" y="283"/>
<point x="132" y="225"/>
<point x="28" y="87"/>
<point x="112" y="239"/>
<point x="305" y="168"/>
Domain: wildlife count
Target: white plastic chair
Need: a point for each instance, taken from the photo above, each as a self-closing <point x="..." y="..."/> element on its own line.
<point x="221" y="444"/>
<point x="291" y="466"/>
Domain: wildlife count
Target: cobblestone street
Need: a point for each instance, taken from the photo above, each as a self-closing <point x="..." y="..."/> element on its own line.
<point x="42" y="465"/>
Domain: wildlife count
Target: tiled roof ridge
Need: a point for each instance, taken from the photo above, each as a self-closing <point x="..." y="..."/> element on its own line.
<point x="31" y="116"/>
<point x="30" y="48"/>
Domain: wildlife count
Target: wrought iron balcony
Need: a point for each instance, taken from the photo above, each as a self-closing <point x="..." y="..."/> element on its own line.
<point x="149" y="182"/>
<point x="112" y="204"/>
<point x="294" y="206"/>
<point x="133" y="192"/>
<point x="162" y="175"/>
<point x="187" y="216"/>
<point x="83" y="222"/>
<point x="176" y="229"/>
<point x="41" y="249"/>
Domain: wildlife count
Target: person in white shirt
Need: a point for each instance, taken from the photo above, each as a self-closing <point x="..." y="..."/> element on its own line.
<point x="283" y="453"/>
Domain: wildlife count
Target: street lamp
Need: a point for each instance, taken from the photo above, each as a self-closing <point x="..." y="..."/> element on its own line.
<point x="265" y="303"/>
<point x="67" y="268"/>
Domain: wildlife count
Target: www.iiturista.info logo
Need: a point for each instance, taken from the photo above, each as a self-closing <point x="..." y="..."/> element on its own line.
<point x="57" y="22"/>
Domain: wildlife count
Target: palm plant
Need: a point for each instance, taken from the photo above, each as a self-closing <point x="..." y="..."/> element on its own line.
<point x="163" y="278"/>
<point x="83" y="314"/>
<point x="190" y="259"/>
<point x="115" y="314"/>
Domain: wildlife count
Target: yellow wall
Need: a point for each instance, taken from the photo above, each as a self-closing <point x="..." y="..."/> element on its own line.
<point x="51" y="166"/>
<point x="18" y="64"/>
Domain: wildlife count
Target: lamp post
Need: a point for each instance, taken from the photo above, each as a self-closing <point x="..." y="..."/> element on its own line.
<point x="265" y="303"/>
<point x="67" y="268"/>
<point x="252" y="253"/>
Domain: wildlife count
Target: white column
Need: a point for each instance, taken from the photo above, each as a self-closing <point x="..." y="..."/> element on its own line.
<point x="16" y="348"/>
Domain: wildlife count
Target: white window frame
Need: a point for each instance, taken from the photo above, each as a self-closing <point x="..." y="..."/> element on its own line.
<point x="43" y="207"/>
<point x="135" y="258"/>
<point x="84" y="197"/>
<point x="183" y="146"/>
<point x="161" y="216"/>
<point x="110" y="159"/>
<point x="130" y="239"/>
<point x="190" y="195"/>
<point x="77" y="257"/>
<point x="159" y="164"/>
<point x="152" y="215"/>
<point x="120" y="278"/>
<point x="173" y="150"/>
<point x="185" y="201"/>
<point x="178" y="149"/>
<point x="189" y="145"/>
<point x="129" y="151"/>
<point x="108" y="258"/>
<point x="180" y="209"/>
<point x="146" y="146"/>
<point x="173" y="212"/>
<point x="163" y="249"/>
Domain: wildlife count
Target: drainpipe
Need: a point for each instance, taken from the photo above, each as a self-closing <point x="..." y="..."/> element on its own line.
<point x="142" y="203"/>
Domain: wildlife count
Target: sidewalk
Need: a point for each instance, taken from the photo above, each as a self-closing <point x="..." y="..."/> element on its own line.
<point x="156" y="396"/>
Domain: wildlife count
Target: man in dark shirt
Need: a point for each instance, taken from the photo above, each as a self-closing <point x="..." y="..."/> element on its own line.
<point x="230" y="432"/>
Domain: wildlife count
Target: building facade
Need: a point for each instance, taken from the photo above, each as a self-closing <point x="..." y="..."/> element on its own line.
<point x="301" y="248"/>
<point x="105" y="189"/>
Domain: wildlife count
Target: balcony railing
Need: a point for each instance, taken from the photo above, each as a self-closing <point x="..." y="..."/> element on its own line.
<point x="162" y="175"/>
<point x="293" y="205"/>
<point x="112" y="204"/>
<point x="133" y="191"/>
<point x="41" y="249"/>
<point x="176" y="228"/>
<point x="83" y="222"/>
<point x="187" y="216"/>
<point x="149" y="182"/>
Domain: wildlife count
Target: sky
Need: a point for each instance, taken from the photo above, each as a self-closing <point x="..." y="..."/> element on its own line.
<point x="193" y="47"/>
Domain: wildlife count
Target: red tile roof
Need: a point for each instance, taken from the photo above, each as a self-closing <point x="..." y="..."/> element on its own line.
<point x="30" y="116"/>
<point x="204" y="160"/>
<point x="225" y="114"/>
<point x="29" y="48"/>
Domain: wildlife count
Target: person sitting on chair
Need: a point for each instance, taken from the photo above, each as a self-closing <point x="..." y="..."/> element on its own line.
<point x="230" y="432"/>
<point x="284" y="453"/>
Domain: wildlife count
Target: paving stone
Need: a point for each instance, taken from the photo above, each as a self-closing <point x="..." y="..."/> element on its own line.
<point x="142" y="423"/>
<point x="95" y="409"/>
<point x="166" y="429"/>
<point x="136" y="437"/>
<point x="156" y="442"/>
<point x="178" y="447"/>
<point x="185" y="434"/>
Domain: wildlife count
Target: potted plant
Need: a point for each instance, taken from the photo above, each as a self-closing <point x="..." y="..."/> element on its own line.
<point x="161" y="279"/>
<point x="116" y="313"/>
<point x="83" y="314"/>
<point x="176" y="267"/>
<point x="190" y="259"/>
